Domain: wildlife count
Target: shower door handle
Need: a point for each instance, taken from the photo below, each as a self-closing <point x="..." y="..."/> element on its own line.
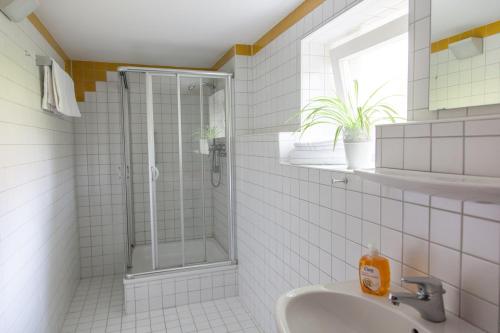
<point x="155" y="173"/>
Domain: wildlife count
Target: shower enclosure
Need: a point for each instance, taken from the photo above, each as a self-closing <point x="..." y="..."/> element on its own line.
<point x="177" y="170"/>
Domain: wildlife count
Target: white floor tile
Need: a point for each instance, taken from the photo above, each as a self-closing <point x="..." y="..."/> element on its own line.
<point x="98" y="307"/>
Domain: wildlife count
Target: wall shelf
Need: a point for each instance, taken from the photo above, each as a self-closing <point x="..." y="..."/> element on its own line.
<point x="460" y="187"/>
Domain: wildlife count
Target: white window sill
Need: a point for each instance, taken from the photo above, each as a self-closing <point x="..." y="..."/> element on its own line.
<point x="338" y="168"/>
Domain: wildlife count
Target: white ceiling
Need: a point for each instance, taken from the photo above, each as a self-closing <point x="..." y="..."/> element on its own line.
<point x="190" y="33"/>
<point x="450" y="17"/>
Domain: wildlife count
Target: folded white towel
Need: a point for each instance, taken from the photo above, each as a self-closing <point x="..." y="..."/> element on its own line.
<point x="59" y="91"/>
<point x="48" y="101"/>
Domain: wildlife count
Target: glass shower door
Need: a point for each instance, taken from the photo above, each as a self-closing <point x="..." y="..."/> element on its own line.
<point x="202" y="118"/>
<point x="197" y="217"/>
<point x="216" y="105"/>
<point x="187" y="171"/>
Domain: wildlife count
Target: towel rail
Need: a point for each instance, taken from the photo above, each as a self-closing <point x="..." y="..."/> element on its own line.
<point x="43" y="60"/>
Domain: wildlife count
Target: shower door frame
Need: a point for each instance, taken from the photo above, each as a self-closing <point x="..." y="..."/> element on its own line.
<point x="153" y="171"/>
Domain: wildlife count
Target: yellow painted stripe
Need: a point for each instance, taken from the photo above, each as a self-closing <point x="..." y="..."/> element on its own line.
<point x="243" y="49"/>
<point x="482" y="31"/>
<point x="236" y="49"/>
<point x="86" y="73"/>
<point x="224" y="59"/>
<point x="296" y="15"/>
<point x="48" y="37"/>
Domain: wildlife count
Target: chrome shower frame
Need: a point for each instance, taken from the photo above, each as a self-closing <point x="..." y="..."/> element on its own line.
<point x="153" y="171"/>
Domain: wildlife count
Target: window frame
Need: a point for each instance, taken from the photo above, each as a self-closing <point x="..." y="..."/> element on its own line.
<point x="384" y="33"/>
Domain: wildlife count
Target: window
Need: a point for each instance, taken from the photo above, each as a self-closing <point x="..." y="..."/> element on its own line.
<point x="375" y="55"/>
<point x="384" y="64"/>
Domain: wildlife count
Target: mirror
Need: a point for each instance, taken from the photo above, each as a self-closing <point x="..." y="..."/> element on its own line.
<point x="217" y="113"/>
<point x="465" y="54"/>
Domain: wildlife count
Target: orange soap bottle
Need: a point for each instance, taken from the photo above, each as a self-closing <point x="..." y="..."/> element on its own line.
<point x="374" y="273"/>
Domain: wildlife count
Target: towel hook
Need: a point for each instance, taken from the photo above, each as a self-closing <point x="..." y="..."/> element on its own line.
<point x="336" y="180"/>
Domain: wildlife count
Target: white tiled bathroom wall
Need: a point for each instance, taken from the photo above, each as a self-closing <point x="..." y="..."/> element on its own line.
<point x="294" y="228"/>
<point x="39" y="256"/>
<point x="316" y="72"/>
<point x="99" y="189"/>
<point x="467" y="146"/>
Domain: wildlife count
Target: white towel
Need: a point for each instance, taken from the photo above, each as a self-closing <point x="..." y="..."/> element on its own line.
<point x="48" y="101"/>
<point x="59" y="92"/>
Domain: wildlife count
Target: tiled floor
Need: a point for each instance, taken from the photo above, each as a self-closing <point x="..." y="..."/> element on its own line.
<point x="98" y="307"/>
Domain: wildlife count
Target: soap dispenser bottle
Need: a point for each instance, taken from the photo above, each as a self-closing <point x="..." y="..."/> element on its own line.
<point x="374" y="273"/>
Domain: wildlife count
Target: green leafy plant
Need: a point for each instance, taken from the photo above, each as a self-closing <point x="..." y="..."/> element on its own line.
<point x="352" y="118"/>
<point x="207" y="133"/>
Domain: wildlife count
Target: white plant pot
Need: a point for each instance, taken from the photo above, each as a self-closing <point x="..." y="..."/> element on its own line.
<point x="358" y="154"/>
<point x="204" y="147"/>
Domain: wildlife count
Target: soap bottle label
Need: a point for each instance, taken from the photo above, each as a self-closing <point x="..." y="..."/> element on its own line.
<point x="370" y="277"/>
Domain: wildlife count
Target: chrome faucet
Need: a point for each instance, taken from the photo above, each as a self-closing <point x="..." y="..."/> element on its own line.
<point x="428" y="300"/>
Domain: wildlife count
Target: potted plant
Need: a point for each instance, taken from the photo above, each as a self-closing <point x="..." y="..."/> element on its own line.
<point x="205" y="135"/>
<point x="352" y="119"/>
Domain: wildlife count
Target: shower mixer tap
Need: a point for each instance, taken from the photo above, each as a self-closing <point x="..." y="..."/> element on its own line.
<point x="217" y="150"/>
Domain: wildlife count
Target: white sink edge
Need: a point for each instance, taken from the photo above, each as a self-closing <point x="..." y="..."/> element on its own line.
<point x="352" y="288"/>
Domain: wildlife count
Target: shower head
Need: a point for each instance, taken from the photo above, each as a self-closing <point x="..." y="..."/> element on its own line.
<point x="194" y="85"/>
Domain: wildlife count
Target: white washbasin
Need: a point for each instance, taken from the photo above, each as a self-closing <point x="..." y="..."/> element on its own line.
<point x="343" y="308"/>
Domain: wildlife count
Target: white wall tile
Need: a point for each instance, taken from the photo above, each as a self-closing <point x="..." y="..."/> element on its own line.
<point x="371" y="208"/>
<point x="353" y="229"/>
<point x="416" y="220"/>
<point x="393" y="131"/>
<point x="487" y="211"/>
<point x="482" y="156"/>
<point x="482" y="127"/>
<point x="417" y="154"/>
<point x="417" y="130"/>
<point x="416" y="197"/>
<point x="422" y="9"/>
<point x="371" y="234"/>
<point x="480" y="278"/>
<point x="448" y="129"/>
<point x="416" y="253"/>
<point x="392" y="153"/>
<point x="445" y="264"/>
<point x="392" y="243"/>
<point x="447" y="155"/>
<point x="481" y="238"/>
<point x="392" y="213"/>
<point x="421" y="64"/>
<point x="479" y="312"/>
<point x="353" y="203"/>
<point x="421" y="95"/>
<point x="446" y="228"/>
<point x="446" y="204"/>
<point x="39" y="265"/>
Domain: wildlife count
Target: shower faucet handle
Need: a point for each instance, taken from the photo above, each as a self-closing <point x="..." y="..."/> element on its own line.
<point x="119" y="172"/>
<point x="155" y="173"/>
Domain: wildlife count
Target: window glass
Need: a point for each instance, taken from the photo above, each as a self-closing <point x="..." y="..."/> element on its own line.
<point x="383" y="64"/>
